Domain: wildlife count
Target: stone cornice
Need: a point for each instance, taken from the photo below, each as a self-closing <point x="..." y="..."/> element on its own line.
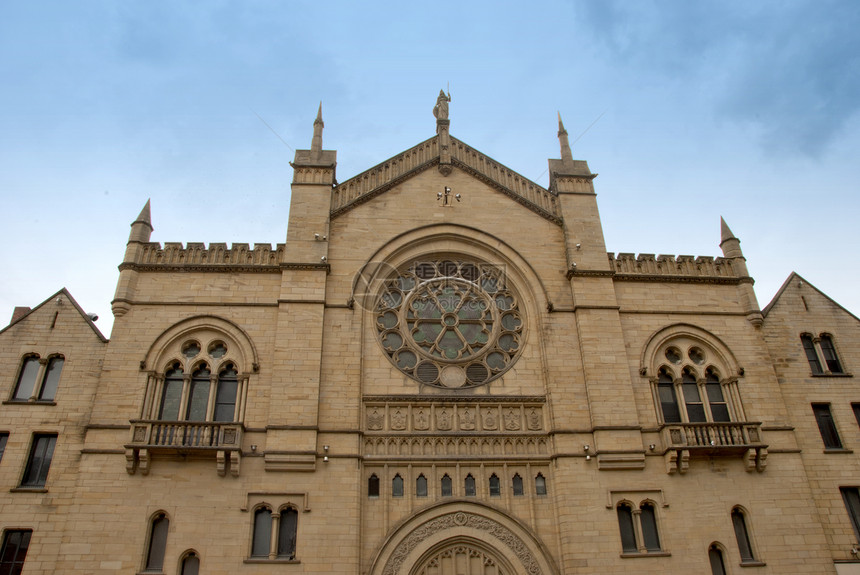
<point x="453" y="399"/>
<point x="199" y="268"/>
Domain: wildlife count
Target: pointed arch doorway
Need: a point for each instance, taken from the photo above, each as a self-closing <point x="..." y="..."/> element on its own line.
<point x="462" y="538"/>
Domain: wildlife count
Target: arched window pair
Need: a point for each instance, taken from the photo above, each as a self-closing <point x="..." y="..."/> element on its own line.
<point x="821" y="354"/>
<point x="638" y="527"/>
<point x="447" y="485"/>
<point x="284" y="525"/>
<point x="189" y="563"/>
<point x="38" y="378"/>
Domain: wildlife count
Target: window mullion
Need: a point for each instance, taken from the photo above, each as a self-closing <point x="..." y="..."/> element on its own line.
<point x="213" y="390"/>
<point x="637" y="530"/>
<point x="40" y="378"/>
<point x="276" y="528"/>
<point x="706" y="401"/>
<point x="822" y="360"/>
<point x="680" y="399"/>
<point x="183" y="397"/>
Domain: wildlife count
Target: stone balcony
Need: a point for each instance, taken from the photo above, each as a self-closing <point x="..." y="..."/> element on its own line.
<point x="713" y="439"/>
<point x="199" y="439"/>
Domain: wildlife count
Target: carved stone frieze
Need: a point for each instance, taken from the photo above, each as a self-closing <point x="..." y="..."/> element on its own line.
<point x="474" y="416"/>
<point x="442" y="446"/>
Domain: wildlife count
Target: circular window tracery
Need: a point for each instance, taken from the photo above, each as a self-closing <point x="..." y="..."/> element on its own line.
<point x="450" y="324"/>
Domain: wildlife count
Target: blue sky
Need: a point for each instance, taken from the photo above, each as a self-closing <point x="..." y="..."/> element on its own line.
<point x="687" y="110"/>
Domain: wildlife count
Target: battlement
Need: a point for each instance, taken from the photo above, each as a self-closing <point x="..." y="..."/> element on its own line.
<point x="669" y="267"/>
<point x="196" y="254"/>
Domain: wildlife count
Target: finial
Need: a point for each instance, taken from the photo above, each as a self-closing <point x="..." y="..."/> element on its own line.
<point x="316" y="142"/>
<point x="566" y="154"/>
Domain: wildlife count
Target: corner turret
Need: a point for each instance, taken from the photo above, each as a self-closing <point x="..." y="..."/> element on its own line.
<point x="141" y="231"/>
<point x="731" y="247"/>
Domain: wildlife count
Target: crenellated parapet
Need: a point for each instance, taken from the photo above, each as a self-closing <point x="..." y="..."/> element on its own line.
<point x="648" y="267"/>
<point x="195" y="256"/>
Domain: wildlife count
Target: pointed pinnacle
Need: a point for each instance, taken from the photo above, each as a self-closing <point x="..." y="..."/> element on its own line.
<point x="725" y="232"/>
<point x="319" y="114"/>
<point x="145" y="216"/>
<point x="560" y="125"/>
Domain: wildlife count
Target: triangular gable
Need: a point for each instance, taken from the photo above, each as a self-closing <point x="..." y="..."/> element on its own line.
<point x="787" y="282"/>
<point x="66" y="293"/>
<point x="396" y="170"/>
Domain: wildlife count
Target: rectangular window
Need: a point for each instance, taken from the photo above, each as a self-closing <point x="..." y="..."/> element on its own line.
<point x="41" y="453"/>
<point x="851" y="496"/>
<point x="826" y="425"/>
<point x="14" y="551"/>
<point x="4" y="437"/>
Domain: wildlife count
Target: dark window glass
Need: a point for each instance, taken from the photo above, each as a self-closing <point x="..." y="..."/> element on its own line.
<point x="373" y="486"/>
<point x="719" y="407"/>
<point x="649" y="527"/>
<point x="826" y="425"/>
<point x="397" y="486"/>
<point x="692" y="399"/>
<point x="625" y="524"/>
<point x="829" y="353"/>
<point x="191" y="565"/>
<point x="225" y="398"/>
<point x="851" y="496"/>
<point x="856" y="408"/>
<point x="495" y="486"/>
<point x="27" y="379"/>
<point x="14" y="551"/>
<point x="198" y="399"/>
<point x="262" y="533"/>
<point x="421" y="486"/>
<point x="715" y="556"/>
<point x="287" y="533"/>
<point x="157" y="543"/>
<point x="41" y="453"/>
<point x="518" y="484"/>
<point x="171" y="395"/>
<point x="447" y="486"/>
<point x="52" y="378"/>
<point x="668" y="401"/>
<point x="4" y="437"/>
<point x="470" y="485"/>
<point x="742" y="535"/>
<point x="540" y="485"/>
<point x="811" y="354"/>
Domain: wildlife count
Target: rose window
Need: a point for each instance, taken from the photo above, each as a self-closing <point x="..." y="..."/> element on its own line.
<point x="450" y="324"/>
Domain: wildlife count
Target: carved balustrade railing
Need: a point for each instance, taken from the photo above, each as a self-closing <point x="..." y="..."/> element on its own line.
<point x="714" y="439"/>
<point x="223" y="440"/>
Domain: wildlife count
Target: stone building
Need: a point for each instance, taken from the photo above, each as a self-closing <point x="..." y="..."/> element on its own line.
<point x="441" y="371"/>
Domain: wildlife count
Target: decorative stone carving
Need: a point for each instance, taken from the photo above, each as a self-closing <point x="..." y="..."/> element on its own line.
<point x="490" y="419"/>
<point x="512" y="419"/>
<point x="467" y="419"/>
<point x="534" y="418"/>
<point x="443" y="420"/>
<point x="421" y="420"/>
<point x="374" y="420"/>
<point x="398" y="420"/>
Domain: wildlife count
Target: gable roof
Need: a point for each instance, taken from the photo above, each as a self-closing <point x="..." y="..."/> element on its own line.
<point x="382" y="177"/>
<point x="787" y="282"/>
<point x="66" y="293"/>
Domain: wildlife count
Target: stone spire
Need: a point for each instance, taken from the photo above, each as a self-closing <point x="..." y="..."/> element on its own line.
<point x="566" y="155"/>
<point x="316" y="142"/>
<point x="730" y="245"/>
<point x="141" y="228"/>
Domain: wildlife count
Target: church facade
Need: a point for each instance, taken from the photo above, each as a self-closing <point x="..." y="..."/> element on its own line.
<point x="441" y="371"/>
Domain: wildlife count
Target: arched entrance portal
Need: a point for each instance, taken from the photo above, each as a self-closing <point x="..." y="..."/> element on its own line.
<point x="462" y="538"/>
